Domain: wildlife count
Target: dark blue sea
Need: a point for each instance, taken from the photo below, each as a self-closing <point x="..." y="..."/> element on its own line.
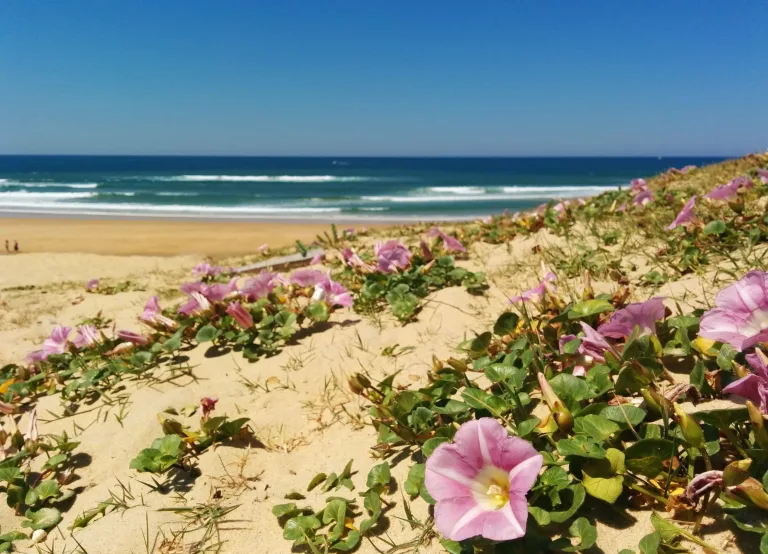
<point x="375" y="189"/>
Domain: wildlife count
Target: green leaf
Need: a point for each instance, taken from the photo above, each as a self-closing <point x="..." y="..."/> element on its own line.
<point x="579" y="495"/>
<point x="583" y="530"/>
<point x="582" y="446"/>
<point x="571" y="347"/>
<point x="9" y="474"/>
<point x="571" y="389"/>
<point x="47" y="489"/>
<point x="764" y="544"/>
<point x="318" y="312"/>
<point x="206" y="333"/>
<point x="603" y="478"/>
<point x="294" y="495"/>
<point x="623" y="413"/>
<point x="405" y="402"/>
<point x="282" y="510"/>
<point x="169" y="444"/>
<point x="540" y="515"/>
<point x="430" y="444"/>
<point x="508" y="374"/>
<point x="725" y="356"/>
<point x="44" y="518"/>
<point x="716" y="227"/>
<point x="415" y="480"/>
<point x="479" y="345"/>
<point x="481" y="400"/>
<point x="372" y="504"/>
<point x="588" y="308"/>
<point x="649" y="544"/>
<point x="296" y="527"/>
<point x="379" y="476"/>
<point x="666" y="530"/>
<point x="345" y="545"/>
<point x="452" y="408"/>
<point x="316" y="480"/>
<point x="597" y="427"/>
<point x="646" y="456"/>
<point x="506" y="324"/>
<point x="54" y="461"/>
<point x="335" y="510"/>
<point x="525" y="427"/>
<point x="452" y="547"/>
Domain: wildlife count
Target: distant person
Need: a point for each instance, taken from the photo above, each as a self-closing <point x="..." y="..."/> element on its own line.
<point x="7" y="246"/>
<point x="16" y="246"/>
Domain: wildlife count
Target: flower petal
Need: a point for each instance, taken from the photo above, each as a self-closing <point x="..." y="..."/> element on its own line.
<point x="460" y="518"/>
<point x="747" y="387"/>
<point x="508" y="523"/>
<point x="449" y="475"/>
<point x="523" y="475"/>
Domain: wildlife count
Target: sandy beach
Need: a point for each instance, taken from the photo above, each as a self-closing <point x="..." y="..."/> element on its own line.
<point x="303" y="416"/>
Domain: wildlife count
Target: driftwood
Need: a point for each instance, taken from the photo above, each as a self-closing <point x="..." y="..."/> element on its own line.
<point x="282" y="262"/>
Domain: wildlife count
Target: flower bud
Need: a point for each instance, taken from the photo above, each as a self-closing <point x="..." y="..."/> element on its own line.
<point x="354" y="385"/>
<point x="736" y="472"/>
<point x="758" y="425"/>
<point x="656" y="402"/>
<point x="751" y="490"/>
<point x="589" y="292"/>
<point x="562" y="415"/>
<point x="458" y="365"/>
<point x="691" y="430"/>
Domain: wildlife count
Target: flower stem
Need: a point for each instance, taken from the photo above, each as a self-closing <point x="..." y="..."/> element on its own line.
<point x="643" y="490"/>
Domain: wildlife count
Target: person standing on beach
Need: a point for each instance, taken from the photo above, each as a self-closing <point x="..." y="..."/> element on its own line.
<point x="16" y="246"/>
<point x="7" y="246"/>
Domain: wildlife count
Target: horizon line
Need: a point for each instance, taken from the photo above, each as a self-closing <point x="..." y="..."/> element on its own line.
<point x="359" y="156"/>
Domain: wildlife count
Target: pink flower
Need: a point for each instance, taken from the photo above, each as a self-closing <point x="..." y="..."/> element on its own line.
<point x="392" y="255"/>
<point x="639" y="185"/>
<point x="592" y="348"/>
<point x="763" y="176"/>
<point x="332" y="292"/>
<point x="206" y="270"/>
<point x="198" y="303"/>
<point x="92" y="285"/>
<point x="87" y="335"/>
<point x="730" y="190"/>
<point x="425" y="251"/>
<point x="57" y="342"/>
<point x="240" y="314"/>
<point x="34" y="358"/>
<point x="450" y="243"/>
<point x="263" y="248"/>
<point x="645" y="197"/>
<point x="308" y="277"/>
<point x="318" y="258"/>
<point x="153" y="316"/>
<point x="687" y="168"/>
<point x="195" y="286"/>
<point x="740" y="317"/>
<point x="207" y="405"/>
<point x="259" y="286"/>
<point x="702" y="483"/>
<point x="219" y="291"/>
<point x="353" y="260"/>
<point x="480" y="482"/>
<point x="488" y="219"/>
<point x="686" y="215"/>
<point x="133" y="338"/>
<point x="640" y="314"/>
<point x="349" y="232"/>
<point x="754" y="386"/>
<point x="536" y="293"/>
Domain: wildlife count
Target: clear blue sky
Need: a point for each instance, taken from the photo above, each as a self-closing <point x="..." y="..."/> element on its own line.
<point x="365" y="77"/>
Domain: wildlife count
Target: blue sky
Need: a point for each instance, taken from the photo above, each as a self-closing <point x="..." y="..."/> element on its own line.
<point x="422" y="77"/>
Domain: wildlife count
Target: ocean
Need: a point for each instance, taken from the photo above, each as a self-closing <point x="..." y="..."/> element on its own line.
<point x="318" y="189"/>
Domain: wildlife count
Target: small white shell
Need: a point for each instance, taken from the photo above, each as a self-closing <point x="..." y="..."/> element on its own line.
<point x="39" y="536"/>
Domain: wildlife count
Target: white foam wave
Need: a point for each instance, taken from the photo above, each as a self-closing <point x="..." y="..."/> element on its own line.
<point x="458" y="190"/>
<point x="374" y="209"/>
<point x="139" y="209"/>
<point x="557" y="189"/>
<point x="176" y="194"/>
<point x="266" y="178"/>
<point x="7" y="183"/>
<point x="26" y="195"/>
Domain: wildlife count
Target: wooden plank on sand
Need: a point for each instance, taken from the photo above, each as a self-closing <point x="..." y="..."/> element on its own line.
<point x="282" y="262"/>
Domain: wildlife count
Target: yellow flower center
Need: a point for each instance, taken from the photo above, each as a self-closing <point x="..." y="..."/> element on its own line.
<point x="498" y="494"/>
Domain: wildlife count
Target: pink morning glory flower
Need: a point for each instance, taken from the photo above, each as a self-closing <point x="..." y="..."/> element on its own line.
<point x="153" y="316"/>
<point x="450" y="243"/>
<point x="392" y="255"/>
<point x="534" y="294"/>
<point x="220" y="291"/>
<point x="754" y="386"/>
<point x="240" y="314"/>
<point x="645" y="197"/>
<point x="198" y="303"/>
<point x="263" y="248"/>
<point x="639" y="185"/>
<point x="87" y="335"/>
<point x="352" y="259"/>
<point x="207" y="405"/>
<point x="133" y="338"/>
<point x="34" y="358"/>
<point x="740" y="316"/>
<point x="308" y="277"/>
<point x="687" y="168"/>
<point x="56" y="343"/>
<point x="686" y="215"/>
<point x="640" y="314"/>
<point x="92" y="285"/>
<point x="318" y="258"/>
<point x="426" y="252"/>
<point x="332" y="292"/>
<point x="480" y="482"/>
<point x="206" y="270"/>
<point x="194" y="286"/>
<point x="762" y="174"/>
<point x="592" y="348"/>
<point x="730" y="190"/>
<point x="259" y="286"/>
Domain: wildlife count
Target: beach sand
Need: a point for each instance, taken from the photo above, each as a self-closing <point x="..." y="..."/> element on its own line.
<point x="153" y="237"/>
<point x="301" y="410"/>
